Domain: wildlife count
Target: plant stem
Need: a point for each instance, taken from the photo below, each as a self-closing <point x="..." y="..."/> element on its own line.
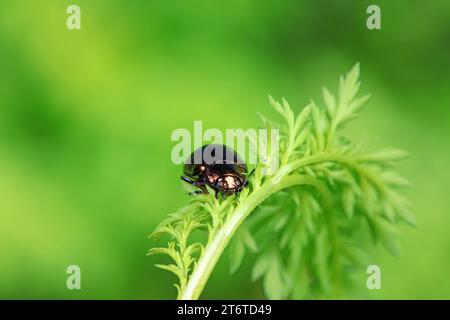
<point x="215" y="248"/>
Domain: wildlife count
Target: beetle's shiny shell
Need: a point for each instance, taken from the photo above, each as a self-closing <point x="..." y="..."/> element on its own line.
<point x="217" y="166"/>
<point x="212" y="155"/>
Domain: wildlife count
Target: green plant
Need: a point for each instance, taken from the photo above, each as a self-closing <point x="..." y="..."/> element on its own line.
<point x="311" y="215"/>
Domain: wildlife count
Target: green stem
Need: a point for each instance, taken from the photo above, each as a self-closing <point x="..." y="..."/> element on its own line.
<point x="319" y="158"/>
<point x="215" y="248"/>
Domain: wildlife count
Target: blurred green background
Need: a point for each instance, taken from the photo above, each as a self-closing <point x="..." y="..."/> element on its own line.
<point x="86" y="118"/>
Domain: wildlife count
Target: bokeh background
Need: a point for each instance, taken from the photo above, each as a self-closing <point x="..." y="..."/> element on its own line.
<point x="86" y="118"/>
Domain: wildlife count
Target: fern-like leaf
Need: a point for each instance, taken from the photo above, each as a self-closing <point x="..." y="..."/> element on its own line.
<point x="307" y="223"/>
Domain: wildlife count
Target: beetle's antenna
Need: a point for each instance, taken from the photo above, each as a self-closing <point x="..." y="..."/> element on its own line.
<point x="246" y="179"/>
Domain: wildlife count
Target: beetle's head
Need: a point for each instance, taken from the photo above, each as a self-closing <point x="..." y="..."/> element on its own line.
<point x="229" y="184"/>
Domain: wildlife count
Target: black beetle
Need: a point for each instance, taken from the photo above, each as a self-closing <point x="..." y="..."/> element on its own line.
<point x="218" y="167"/>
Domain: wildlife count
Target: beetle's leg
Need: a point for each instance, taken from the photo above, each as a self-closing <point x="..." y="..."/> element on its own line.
<point x="195" y="183"/>
<point x="200" y="184"/>
<point x="219" y="194"/>
<point x="202" y="190"/>
<point x="188" y="180"/>
<point x="195" y="192"/>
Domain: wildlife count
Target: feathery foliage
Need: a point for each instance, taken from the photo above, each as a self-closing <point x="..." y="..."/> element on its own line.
<point x="309" y="220"/>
